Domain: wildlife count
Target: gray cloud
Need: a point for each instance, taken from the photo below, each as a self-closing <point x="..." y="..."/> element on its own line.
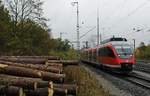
<point x="117" y="17"/>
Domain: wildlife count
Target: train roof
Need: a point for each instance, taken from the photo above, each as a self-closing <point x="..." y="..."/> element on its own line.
<point x="116" y="39"/>
<point x="119" y="43"/>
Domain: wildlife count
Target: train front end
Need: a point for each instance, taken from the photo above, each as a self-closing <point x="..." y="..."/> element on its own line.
<point x="125" y="57"/>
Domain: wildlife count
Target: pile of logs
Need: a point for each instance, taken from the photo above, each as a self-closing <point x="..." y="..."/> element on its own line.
<point x="34" y="76"/>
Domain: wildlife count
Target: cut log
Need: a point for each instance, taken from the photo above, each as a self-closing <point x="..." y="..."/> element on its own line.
<point x="34" y="83"/>
<point x="60" y="92"/>
<point x="34" y="57"/>
<point x="21" y="82"/>
<point x="55" y="65"/>
<point x="71" y="88"/>
<point x="58" y="65"/>
<point x="51" y="76"/>
<point x="19" y="71"/>
<point x="11" y="91"/>
<point x="54" y="61"/>
<point x="38" y="67"/>
<point x="24" y="82"/>
<point x="40" y="92"/>
<point x="25" y="60"/>
<point x="26" y="72"/>
<point x="9" y="77"/>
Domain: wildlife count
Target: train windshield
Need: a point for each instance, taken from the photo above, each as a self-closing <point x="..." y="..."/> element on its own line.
<point x="124" y="51"/>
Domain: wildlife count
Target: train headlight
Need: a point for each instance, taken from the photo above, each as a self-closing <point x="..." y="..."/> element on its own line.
<point x="131" y="55"/>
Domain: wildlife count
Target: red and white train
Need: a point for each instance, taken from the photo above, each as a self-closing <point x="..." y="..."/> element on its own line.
<point x="115" y="54"/>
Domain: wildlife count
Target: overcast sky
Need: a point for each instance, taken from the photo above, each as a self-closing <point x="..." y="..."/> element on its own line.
<point x="117" y="17"/>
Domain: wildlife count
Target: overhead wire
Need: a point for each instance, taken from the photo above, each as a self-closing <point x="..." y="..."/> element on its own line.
<point x="120" y="6"/>
<point x="130" y="13"/>
<point x="115" y="13"/>
<point x="136" y="9"/>
<point x="87" y="32"/>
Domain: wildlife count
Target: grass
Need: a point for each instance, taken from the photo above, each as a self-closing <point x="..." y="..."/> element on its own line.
<point x="87" y="84"/>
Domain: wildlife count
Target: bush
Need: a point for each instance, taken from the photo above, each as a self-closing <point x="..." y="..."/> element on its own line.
<point x="143" y="52"/>
<point x="70" y="54"/>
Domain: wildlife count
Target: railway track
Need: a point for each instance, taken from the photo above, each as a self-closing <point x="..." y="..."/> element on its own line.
<point x="142" y="67"/>
<point x="143" y="61"/>
<point x="139" y="80"/>
<point x="134" y="78"/>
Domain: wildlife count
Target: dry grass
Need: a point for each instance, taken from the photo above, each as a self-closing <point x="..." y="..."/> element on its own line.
<point x="87" y="84"/>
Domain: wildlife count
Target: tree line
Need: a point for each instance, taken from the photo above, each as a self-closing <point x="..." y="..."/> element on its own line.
<point x="143" y="51"/>
<point x="24" y="30"/>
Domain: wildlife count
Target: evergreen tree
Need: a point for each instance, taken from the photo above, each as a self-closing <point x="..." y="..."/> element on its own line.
<point x="5" y="24"/>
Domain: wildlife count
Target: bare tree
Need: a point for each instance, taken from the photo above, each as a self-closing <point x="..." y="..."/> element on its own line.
<point x="22" y="10"/>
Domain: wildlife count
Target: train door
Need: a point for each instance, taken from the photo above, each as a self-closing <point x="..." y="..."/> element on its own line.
<point x="90" y="53"/>
<point x="97" y="55"/>
<point x="88" y="56"/>
<point x="109" y="56"/>
<point x="94" y="55"/>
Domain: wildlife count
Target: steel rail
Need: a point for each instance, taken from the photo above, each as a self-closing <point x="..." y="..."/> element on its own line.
<point x="138" y="83"/>
<point x="139" y="80"/>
